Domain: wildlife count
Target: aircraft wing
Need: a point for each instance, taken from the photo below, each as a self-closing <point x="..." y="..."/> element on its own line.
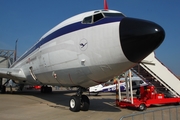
<point x="12" y="73"/>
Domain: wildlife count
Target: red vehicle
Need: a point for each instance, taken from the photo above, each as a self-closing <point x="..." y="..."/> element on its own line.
<point x="37" y="87"/>
<point x="148" y="96"/>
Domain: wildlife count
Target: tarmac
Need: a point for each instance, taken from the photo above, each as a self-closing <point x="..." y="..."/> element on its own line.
<point x="33" y="105"/>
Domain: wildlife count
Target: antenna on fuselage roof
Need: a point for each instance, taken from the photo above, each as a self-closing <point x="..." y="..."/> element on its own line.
<point x="105" y="5"/>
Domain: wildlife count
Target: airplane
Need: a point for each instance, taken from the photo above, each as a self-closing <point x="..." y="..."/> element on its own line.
<point x="85" y="50"/>
<point x="136" y="83"/>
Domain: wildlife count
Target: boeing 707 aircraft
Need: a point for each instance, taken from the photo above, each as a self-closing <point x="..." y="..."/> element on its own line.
<point x="86" y="50"/>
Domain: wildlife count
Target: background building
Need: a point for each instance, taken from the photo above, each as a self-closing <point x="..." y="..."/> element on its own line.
<point x="6" y="59"/>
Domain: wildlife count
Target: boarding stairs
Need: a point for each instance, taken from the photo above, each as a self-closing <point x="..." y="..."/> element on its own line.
<point x="152" y="70"/>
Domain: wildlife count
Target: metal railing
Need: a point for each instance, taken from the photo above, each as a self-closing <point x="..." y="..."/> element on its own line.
<point x="167" y="113"/>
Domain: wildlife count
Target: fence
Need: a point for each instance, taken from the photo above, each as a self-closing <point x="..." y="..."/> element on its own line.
<point x="167" y="113"/>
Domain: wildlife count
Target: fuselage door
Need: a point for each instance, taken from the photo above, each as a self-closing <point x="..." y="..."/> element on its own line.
<point x="32" y="73"/>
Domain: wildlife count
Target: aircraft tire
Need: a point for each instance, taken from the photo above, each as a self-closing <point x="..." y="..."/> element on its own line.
<point x="3" y="89"/>
<point x="74" y="103"/>
<point x="42" y="89"/>
<point x="84" y="103"/>
<point x="46" y="89"/>
<point x="49" y="89"/>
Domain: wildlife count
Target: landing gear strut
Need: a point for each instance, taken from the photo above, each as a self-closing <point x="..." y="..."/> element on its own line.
<point x="79" y="102"/>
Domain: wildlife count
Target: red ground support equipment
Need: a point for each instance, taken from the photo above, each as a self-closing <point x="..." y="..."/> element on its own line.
<point x="148" y="96"/>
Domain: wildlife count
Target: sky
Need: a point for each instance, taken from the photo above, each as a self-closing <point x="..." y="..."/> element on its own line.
<point x="28" y="20"/>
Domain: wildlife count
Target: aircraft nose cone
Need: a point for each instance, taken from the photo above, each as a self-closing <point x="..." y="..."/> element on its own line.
<point x="139" y="38"/>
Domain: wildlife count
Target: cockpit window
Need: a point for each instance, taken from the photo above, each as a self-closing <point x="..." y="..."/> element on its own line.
<point x="97" y="17"/>
<point x="87" y="20"/>
<point x="113" y="15"/>
<point x="92" y="19"/>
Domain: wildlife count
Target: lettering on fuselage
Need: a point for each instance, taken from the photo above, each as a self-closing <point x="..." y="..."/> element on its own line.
<point x="30" y="59"/>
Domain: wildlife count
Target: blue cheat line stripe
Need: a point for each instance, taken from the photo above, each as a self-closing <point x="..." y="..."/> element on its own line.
<point x="65" y="30"/>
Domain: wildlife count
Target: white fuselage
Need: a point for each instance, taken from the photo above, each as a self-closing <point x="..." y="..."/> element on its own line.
<point x="76" y="54"/>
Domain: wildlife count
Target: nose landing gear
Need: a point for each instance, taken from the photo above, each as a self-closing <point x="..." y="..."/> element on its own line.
<point x="79" y="102"/>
